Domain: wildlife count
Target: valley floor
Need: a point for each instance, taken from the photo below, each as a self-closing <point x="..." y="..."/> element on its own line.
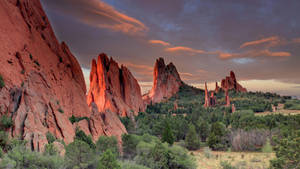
<point x="241" y="160"/>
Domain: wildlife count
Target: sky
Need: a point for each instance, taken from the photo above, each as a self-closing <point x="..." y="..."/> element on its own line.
<point x="258" y="39"/>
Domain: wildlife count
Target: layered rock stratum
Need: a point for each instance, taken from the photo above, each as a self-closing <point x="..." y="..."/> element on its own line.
<point x="114" y="88"/>
<point x="166" y="82"/>
<point x="44" y="84"/>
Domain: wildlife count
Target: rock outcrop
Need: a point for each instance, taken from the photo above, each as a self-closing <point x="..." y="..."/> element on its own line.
<point x="114" y="88"/>
<point x="230" y="83"/>
<point x="166" y="82"/>
<point x="217" y="88"/>
<point x="227" y="98"/>
<point x="209" y="100"/>
<point x="44" y="84"/>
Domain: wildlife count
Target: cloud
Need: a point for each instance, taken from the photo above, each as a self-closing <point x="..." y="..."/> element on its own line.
<point x="273" y="40"/>
<point x="184" y="49"/>
<point x="296" y="40"/>
<point x="160" y="42"/>
<point x="98" y="13"/>
<point x="254" y="54"/>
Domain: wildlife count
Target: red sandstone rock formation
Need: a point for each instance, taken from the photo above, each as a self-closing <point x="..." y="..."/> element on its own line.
<point x="44" y="84"/>
<point x="230" y="82"/>
<point x="114" y="88"/>
<point x="166" y="82"/>
<point x="206" y="102"/>
<point x="227" y="99"/>
<point x="217" y="88"/>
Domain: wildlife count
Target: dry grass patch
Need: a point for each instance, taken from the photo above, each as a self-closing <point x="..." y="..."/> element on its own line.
<point x="241" y="160"/>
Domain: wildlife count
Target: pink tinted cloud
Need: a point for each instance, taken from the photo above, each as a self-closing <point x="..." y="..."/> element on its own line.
<point x="272" y="41"/>
<point x="160" y="42"/>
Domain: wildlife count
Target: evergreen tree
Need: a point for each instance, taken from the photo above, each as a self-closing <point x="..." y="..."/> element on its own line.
<point x="108" y="160"/>
<point x="191" y="140"/>
<point x="78" y="154"/>
<point x="202" y="129"/>
<point x="167" y="135"/>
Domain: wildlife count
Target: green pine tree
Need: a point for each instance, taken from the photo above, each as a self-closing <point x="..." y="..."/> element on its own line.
<point x="191" y="140"/>
<point x="108" y="160"/>
<point x="167" y="135"/>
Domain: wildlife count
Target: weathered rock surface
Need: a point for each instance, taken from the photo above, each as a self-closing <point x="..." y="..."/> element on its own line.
<point x="44" y="84"/>
<point x="114" y="88"/>
<point x="209" y="100"/>
<point x="217" y="88"/>
<point x="230" y="82"/>
<point x="166" y="82"/>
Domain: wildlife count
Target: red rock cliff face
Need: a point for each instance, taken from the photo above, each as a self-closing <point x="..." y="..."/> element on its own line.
<point x="230" y="82"/>
<point x="44" y="84"/>
<point x="114" y="88"/>
<point x="166" y="82"/>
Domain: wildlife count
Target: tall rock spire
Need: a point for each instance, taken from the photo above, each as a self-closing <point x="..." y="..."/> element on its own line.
<point x="227" y="99"/>
<point x="114" y="88"/>
<point x="230" y="82"/>
<point x="206" y="103"/>
<point x="166" y="82"/>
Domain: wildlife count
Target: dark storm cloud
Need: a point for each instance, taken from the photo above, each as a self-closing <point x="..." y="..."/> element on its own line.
<point x="257" y="39"/>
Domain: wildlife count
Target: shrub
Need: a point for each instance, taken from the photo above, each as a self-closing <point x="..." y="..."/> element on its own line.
<point x="50" y="137"/>
<point x="131" y="165"/>
<point x="108" y="160"/>
<point x="6" y="122"/>
<point x="207" y="152"/>
<point x="192" y="140"/>
<point x="2" y="84"/>
<point x="80" y="135"/>
<point x="104" y="143"/>
<point x="74" y="119"/>
<point x="36" y="62"/>
<point x="226" y="165"/>
<point x="61" y="110"/>
<point x="287" y="152"/>
<point x="20" y="157"/>
<point x="167" y="135"/>
<point x="50" y="149"/>
<point x="78" y="154"/>
<point x="3" y="139"/>
<point x="130" y="141"/>
<point x="267" y="148"/>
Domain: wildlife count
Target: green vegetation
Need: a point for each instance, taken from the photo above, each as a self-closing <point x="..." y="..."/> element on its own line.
<point x="108" y="161"/>
<point x="105" y="143"/>
<point x="50" y="137"/>
<point x="80" y="135"/>
<point x="74" y="119"/>
<point x="36" y="62"/>
<point x="191" y="141"/>
<point x="167" y="135"/>
<point x="292" y="105"/>
<point x="30" y="56"/>
<point x="61" y="110"/>
<point x="2" y="84"/>
<point x="5" y="122"/>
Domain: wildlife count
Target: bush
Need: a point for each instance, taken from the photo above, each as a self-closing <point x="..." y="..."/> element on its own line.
<point x="131" y="165"/>
<point x="6" y="122"/>
<point x="287" y="152"/>
<point x="130" y="141"/>
<point x="50" y="137"/>
<point x="61" y="110"/>
<point x="74" y="119"/>
<point x="267" y="148"/>
<point x="207" y="152"/>
<point x="226" y="165"/>
<point x="80" y="135"/>
<point x="20" y="157"/>
<point x="104" y="143"/>
<point x="3" y="139"/>
<point x="167" y="135"/>
<point x="192" y="141"/>
<point x="108" y="160"/>
<point x="2" y="84"/>
<point x="78" y="154"/>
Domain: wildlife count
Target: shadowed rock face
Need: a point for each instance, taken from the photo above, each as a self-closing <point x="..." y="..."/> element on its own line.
<point x="230" y="82"/>
<point x="166" y="82"/>
<point x="114" y="88"/>
<point x="44" y="84"/>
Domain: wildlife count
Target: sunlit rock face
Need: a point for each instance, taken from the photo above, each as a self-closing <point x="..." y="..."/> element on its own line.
<point x="166" y="82"/>
<point x="44" y="84"/>
<point x="230" y="82"/>
<point x="114" y="88"/>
